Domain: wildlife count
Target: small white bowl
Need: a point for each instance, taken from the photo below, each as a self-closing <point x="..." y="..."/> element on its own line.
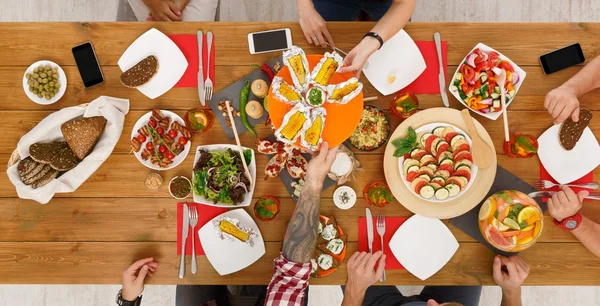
<point x="187" y="179"/>
<point x="61" y="90"/>
<point x="337" y="197"/>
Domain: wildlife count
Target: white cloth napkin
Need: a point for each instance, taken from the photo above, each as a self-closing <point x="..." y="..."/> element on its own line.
<point x="113" y="109"/>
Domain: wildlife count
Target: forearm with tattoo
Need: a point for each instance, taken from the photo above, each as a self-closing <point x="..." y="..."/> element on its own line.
<point x="301" y="234"/>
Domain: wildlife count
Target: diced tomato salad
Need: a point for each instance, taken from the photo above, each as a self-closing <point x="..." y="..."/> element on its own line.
<point x="476" y="83"/>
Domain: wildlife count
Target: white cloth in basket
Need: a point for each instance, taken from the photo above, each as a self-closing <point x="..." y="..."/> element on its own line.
<point x="113" y="109"/>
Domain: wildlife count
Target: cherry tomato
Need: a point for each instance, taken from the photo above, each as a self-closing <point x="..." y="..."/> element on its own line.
<point x="160" y="131"/>
<point x="162" y="149"/>
<point x="152" y="123"/>
<point x="182" y="141"/>
<point x="172" y="134"/>
<point x="141" y="138"/>
<point x="149" y="146"/>
<point x="170" y="155"/>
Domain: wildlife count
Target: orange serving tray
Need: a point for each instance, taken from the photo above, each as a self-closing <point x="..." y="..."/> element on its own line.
<point x="340" y="121"/>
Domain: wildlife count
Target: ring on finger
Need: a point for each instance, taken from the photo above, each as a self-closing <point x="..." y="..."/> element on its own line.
<point x="315" y="39"/>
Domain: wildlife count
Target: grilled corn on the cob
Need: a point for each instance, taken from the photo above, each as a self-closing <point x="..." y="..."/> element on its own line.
<point x="231" y="229"/>
<point x="293" y="126"/>
<point x="341" y="92"/>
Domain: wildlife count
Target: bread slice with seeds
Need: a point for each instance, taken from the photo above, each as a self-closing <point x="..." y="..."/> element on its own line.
<point x="141" y="73"/>
<point x="82" y="134"/>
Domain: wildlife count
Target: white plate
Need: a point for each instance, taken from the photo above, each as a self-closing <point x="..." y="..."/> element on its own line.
<point x="399" y="57"/>
<point x="228" y="256"/>
<point x="423" y="245"/>
<point x="251" y="167"/>
<point x="61" y="77"/>
<point x="143" y="121"/>
<point x="428" y="128"/>
<point x="171" y="61"/>
<point x="487" y="49"/>
<point x="568" y="166"/>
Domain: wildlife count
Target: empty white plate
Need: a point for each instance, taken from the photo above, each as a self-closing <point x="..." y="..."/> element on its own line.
<point x="423" y="245"/>
<point x="228" y="256"/>
<point x="171" y="61"/>
<point x="397" y="64"/>
<point x="567" y="166"/>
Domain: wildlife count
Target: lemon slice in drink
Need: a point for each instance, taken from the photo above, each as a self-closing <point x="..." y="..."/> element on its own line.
<point x="486" y="210"/>
<point x="511" y="223"/>
<point x="526" y="213"/>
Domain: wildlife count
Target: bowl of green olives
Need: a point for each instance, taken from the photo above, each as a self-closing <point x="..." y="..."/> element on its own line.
<point x="44" y="82"/>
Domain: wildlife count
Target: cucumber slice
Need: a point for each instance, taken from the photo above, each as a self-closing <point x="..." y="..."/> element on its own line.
<point x="445" y="156"/>
<point x="512" y="93"/>
<point x="440" y="180"/>
<point x="448" y="161"/>
<point x="483" y="78"/>
<point x="432" y="166"/>
<point x="453" y="189"/>
<point x="495" y="95"/>
<point x="497" y="89"/>
<point x="409" y="163"/>
<point x="423" y="139"/>
<point x="453" y="87"/>
<point x="427" y="192"/>
<point x="425" y="176"/>
<point x="458" y="76"/>
<point x="447" y="130"/>
<point x="456" y="138"/>
<point x="496" y="103"/>
<point x="412" y="169"/>
<point x="442" y="194"/>
<point x="470" y="94"/>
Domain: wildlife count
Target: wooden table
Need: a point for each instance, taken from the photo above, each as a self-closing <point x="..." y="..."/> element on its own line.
<point x="91" y="235"/>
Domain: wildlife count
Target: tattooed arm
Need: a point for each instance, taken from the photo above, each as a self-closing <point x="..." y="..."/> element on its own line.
<point x="292" y="267"/>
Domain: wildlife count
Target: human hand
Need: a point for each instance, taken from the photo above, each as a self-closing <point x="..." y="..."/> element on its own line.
<point x="165" y="10"/>
<point x="313" y="25"/>
<point x="357" y="57"/>
<point x="133" y="285"/>
<point x="319" y="165"/>
<point x="561" y="103"/>
<point x="565" y="203"/>
<point x="362" y="273"/>
<point x="510" y="278"/>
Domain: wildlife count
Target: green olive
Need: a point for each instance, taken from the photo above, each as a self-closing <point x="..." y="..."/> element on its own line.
<point x="57" y="85"/>
<point x="48" y="97"/>
<point x="46" y="87"/>
<point x="43" y="75"/>
<point x="35" y="70"/>
<point x="52" y="94"/>
<point x="28" y="75"/>
<point x="48" y="67"/>
<point x="45" y="81"/>
<point x="54" y="70"/>
<point x="36" y="83"/>
<point x="55" y="76"/>
<point x="30" y="83"/>
<point x="35" y="91"/>
<point x="40" y="87"/>
<point x="35" y="75"/>
<point x="43" y="91"/>
<point x="30" y="88"/>
<point x="39" y="80"/>
<point x="40" y="68"/>
<point x="51" y="84"/>
<point x="40" y="95"/>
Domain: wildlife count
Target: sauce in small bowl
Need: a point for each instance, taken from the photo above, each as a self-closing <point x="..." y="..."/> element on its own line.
<point x="180" y="187"/>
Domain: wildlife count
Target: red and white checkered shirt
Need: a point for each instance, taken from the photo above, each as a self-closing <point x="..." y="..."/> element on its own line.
<point x="289" y="282"/>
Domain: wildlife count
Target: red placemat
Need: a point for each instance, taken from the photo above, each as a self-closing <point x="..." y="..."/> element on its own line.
<point x="428" y="82"/>
<point x="205" y="214"/>
<point x="189" y="47"/>
<point x="588" y="178"/>
<point x="391" y="225"/>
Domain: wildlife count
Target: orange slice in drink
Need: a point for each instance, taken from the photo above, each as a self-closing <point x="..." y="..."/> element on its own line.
<point x="526" y="213"/>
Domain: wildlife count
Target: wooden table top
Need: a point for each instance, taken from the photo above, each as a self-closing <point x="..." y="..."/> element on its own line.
<point x="90" y="236"/>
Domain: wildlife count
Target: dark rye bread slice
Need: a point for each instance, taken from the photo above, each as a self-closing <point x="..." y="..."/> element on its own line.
<point x="26" y="166"/>
<point x="82" y="134"/>
<point x="38" y="167"/>
<point x="64" y="160"/>
<point x="571" y="131"/>
<point x="141" y="73"/>
<point x="45" y="152"/>
<point x="38" y="175"/>
<point x="47" y="178"/>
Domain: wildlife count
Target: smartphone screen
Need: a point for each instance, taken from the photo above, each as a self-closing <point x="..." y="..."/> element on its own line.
<point x="562" y="58"/>
<point x="88" y="65"/>
<point x="270" y="41"/>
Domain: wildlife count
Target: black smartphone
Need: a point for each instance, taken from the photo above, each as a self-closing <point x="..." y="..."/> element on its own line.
<point x="88" y="65"/>
<point x="562" y="58"/>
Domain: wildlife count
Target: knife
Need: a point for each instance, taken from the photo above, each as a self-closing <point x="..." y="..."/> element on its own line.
<point x="549" y="194"/>
<point x="442" y="78"/>
<point x="369" y="230"/>
<point x="184" y="235"/>
<point x="200" y="37"/>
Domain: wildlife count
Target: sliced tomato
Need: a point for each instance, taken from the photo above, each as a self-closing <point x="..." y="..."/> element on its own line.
<point x="468" y="73"/>
<point x="449" y="136"/>
<point x="477" y="84"/>
<point x="446" y="167"/>
<point x="466" y="88"/>
<point x="463" y="155"/>
<point x="411" y="176"/>
<point x="464" y="173"/>
<point x="491" y="86"/>
<point x="493" y="58"/>
<point x="429" y="141"/>
<point x="479" y="57"/>
<point x="418" y="155"/>
<point x="462" y="147"/>
<point x="506" y="66"/>
<point x="419" y="186"/>
<point x="442" y="148"/>
<point x="482" y="66"/>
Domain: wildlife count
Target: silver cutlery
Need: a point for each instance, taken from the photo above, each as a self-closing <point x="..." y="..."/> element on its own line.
<point x="549" y="194"/>
<point x="442" y="78"/>
<point x="381" y="232"/>
<point x="200" y="38"/>
<point x="545" y="184"/>
<point x="193" y="223"/>
<point x="184" y="235"/>
<point x="208" y="84"/>
<point x="338" y="50"/>
<point x="369" y="229"/>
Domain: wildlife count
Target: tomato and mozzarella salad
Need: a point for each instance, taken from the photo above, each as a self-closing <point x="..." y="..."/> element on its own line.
<point x="477" y="84"/>
<point x="440" y="166"/>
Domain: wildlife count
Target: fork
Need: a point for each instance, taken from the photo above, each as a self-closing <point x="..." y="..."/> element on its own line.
<point x="193" y="223"/>
<point x="208" y="84"/>
<point x="381" y="232"/>
<point x="545" y="184"/>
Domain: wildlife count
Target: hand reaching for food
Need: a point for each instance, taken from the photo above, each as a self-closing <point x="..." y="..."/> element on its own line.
<point x="357" y="57"/>
<point x="313" y="25"/>
<point x="566" y="203"/>
<point x="165" y="10"/>
<point x="319" y="165"/>
<point x="562" y="103"/>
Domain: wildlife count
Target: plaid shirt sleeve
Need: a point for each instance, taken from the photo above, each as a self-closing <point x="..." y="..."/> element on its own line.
<point x="289" y="282"/>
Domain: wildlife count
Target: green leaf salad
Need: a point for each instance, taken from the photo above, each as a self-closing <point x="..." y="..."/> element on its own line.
<point x="219" y="176"/>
